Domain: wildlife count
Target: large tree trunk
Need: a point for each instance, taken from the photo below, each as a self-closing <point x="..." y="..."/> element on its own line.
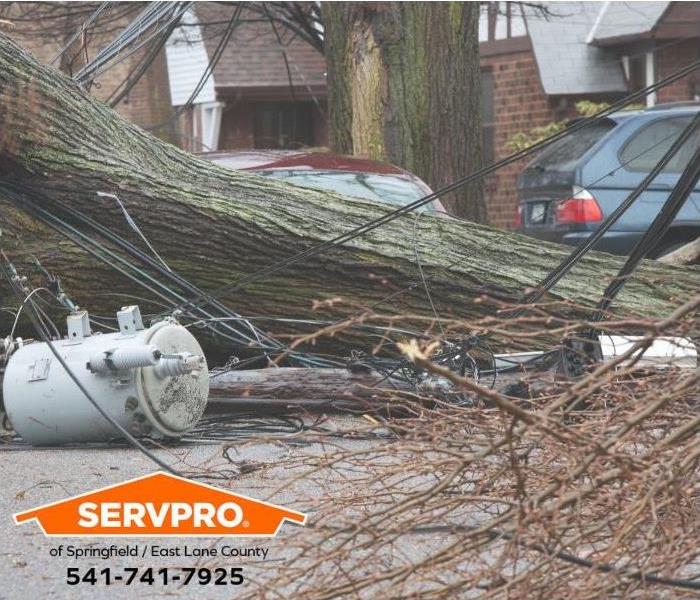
<point x="404" y="87"/>
<point x="214" y="225"/>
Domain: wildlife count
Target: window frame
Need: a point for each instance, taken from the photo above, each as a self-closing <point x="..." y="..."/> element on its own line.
<point x="639" y="132"/>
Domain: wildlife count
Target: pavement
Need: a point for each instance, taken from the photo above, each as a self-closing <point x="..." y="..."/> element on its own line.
<point x="35" y="476"/>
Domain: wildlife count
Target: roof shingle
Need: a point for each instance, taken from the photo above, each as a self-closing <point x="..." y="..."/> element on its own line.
<point x="253" y="57"/>
<point x="566" y="62"/>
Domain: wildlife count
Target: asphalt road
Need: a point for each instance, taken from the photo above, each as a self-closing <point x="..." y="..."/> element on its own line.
<point x="32" y="477"/>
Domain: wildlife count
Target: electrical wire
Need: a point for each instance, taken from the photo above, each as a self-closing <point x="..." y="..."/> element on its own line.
<point x="480" y="173"/>
<point x="577" y="253"/>
<point x="154" y="286"/>
<point x="34" y="316"/>
<point x="112" y="259"/>
<point x="681" y="192"/>
<point x="151" y="15"/>
<point x="139" y="70"/>
<point x="213" y="61"/>
<point x="135" y="227"/>
<point x="690" y="583"/>
<point x="84" y="27"/>
<point x="19" y="311"/>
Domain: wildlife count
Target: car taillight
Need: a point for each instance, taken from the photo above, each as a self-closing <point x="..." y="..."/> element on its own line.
<point x="582" y="207"/>
<point x="519" y="217"/>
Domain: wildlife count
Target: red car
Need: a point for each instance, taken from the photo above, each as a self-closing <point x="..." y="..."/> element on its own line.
<point x="343" y="174"/>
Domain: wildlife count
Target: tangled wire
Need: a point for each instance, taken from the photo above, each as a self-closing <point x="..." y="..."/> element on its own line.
<point x="584" y="488"/>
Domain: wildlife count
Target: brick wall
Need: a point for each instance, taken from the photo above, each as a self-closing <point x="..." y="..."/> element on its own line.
<point x="520" y="104"/>
<point x="237" y="123"/>
<point x="237" y="126"/>
<point x="148" y="102"/>
<point x="669" y="58"/>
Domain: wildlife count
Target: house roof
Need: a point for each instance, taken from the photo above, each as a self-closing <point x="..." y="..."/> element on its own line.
<point x="253" y="59"/>
<point x="621" y="21"/>
<point x="567" y="63"/>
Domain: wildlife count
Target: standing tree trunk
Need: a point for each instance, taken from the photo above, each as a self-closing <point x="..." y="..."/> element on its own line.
<point x="215" y="225"/>
<point x="404" y="87"/>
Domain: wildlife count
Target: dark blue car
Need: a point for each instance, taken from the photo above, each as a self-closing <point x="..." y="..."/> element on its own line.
<point x="574" y="184"/>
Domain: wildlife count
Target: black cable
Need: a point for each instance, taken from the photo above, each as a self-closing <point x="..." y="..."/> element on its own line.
<point x="140" y="69"/>
<point x="213" y="61"/>
<point x="33" y="315"/>
<point x="142" y="278"/>
<point x="168" y="274"/>
<point x="173" y="13"/>
<point x="425" y="280"/>
<point x="390" y="216"/>
<point x="85" y="241"/>
<point x="84" y="27"/>
<point x="676" y="199"/>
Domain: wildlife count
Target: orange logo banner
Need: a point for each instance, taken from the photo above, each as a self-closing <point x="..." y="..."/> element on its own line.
<point x="160" y="504"/>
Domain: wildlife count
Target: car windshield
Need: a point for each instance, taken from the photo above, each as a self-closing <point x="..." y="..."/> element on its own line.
<point x="372" y="186"/>
<point x="563" y="155"/>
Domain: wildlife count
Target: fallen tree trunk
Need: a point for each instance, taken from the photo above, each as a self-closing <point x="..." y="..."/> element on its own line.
<point x="685" y="255"/>
<point x="308" y="388"/>
<point x="294" y="383"/>
<point x="360" y="390"/>
<point x="214" y="225"/>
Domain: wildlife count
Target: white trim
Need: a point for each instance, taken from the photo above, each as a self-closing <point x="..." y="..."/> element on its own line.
<point x="187" y="62"/>
<point x="598" y="19"/>
<point x="650" y="77"/>
<point x="211" y="124"/>
<point x="626" y="67"/>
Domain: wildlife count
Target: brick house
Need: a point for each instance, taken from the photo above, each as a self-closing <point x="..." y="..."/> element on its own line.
<point x="44" y="32"/>
<point x="537" y="62"/>
<point x="264" y="92"/>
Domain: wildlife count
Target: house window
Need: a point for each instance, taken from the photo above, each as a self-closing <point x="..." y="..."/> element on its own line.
<point x="488" y="125"/>
<point x="283" y="125"/>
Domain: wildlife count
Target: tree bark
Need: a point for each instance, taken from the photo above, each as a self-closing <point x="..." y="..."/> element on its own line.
<point x="326" y="389"/>
<point x="214" y="225"/>
<point x="687" y="254"/>
<point x="404" y="87"/>
<point x="291" y="383"/>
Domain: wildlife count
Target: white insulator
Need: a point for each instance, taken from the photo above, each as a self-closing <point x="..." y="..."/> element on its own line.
<point x="123" y="359"/>
<point x="173" y="366"/>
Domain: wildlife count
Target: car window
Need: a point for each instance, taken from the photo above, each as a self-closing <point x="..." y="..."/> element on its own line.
<point x="648" y="145"/>
<point x="564" y="154"/>
<point x="372" y="186"/>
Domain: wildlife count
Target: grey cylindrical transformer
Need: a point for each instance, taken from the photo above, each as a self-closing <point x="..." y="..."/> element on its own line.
<point x="152" y="381"/>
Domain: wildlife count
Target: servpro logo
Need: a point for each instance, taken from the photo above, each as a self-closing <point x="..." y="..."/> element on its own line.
<point x="158" y="505"/>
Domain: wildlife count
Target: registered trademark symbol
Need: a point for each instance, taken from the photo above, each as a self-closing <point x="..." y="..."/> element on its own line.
<point x="245" y="524"/>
